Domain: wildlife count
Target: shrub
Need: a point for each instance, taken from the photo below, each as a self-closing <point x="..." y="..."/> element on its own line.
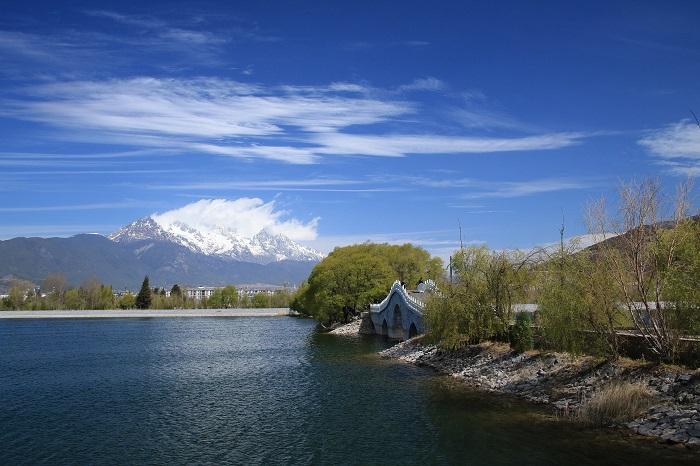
<point x="521" y="338"/>
<point x="616" y="403"/>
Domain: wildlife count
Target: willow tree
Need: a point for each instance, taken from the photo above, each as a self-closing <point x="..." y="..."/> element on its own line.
<point x="478" y="303"/>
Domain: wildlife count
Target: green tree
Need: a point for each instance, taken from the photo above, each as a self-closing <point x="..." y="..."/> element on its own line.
<point x="143" y="299"/>
<point x="478" y="303"/>
<point x="127" y="301"/>
<point x="280" y="298"/>
<point x="72" y="299"/>
<point x="261" y="299"/>
<point x="223" y="298"/>
<point x="347" y="280"/>
<point x="18" y="293"/>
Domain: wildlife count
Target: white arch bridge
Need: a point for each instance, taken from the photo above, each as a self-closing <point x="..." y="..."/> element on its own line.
<point x="399" y="316"/>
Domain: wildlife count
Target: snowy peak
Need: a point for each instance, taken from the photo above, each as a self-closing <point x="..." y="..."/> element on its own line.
<point x="143" y="228"/>
<point x="263" y="247"/>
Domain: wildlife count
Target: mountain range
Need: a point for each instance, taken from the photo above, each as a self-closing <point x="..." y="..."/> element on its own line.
<point x="167" y="253"/>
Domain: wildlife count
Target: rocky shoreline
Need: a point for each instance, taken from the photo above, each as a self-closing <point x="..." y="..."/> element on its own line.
<point x="567" y="382"/>
<point x="352" y="328"/>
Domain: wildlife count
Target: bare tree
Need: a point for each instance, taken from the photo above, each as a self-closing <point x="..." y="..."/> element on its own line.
<point x="636" y="257"/>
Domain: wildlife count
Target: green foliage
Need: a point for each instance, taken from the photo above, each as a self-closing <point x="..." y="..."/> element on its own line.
<point x="280" y="298"/>
<point x="143" y="299"/>
<point x="6" y="304"/>
<point x="261" y="300"/>
<point x="352" y="277"/>
<point x="72" y="299"/>
<point x="681" y="277"/>
<point x="223" y="298"/>
<point x="18" y="294"/>
<point x="127" y="301"/>
<point x="478" y="304"/>
<point x="522" y="338"/>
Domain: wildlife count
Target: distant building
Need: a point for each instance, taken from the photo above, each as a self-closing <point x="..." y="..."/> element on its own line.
<point x="252" y="290"/>
<point x="201" y="292"/>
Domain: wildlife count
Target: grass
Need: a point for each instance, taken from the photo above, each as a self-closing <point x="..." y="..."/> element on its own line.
<point x="616" y="403"/>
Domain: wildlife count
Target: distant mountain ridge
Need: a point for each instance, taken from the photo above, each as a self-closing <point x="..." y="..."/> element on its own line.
<point x="168" y="253"/>
<point x="262" y="248"/>
<point x="124" y="264"/>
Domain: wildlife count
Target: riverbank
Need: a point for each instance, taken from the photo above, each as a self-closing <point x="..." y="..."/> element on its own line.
<point x="567" y="382"/>
<point x="146" y="313"/>
<point x="349" y="329"/>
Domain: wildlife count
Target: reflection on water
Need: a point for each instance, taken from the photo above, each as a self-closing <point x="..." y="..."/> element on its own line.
<point x="262" y="391"/>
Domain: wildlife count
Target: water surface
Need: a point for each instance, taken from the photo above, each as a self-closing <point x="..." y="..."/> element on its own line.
<point x="262" y="391"/>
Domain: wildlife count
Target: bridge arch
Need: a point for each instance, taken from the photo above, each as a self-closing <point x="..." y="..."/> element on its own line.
<point x="400" y="314"/>
<point x="396" y="318"/>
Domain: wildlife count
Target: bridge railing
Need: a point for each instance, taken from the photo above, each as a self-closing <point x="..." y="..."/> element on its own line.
<point x="401" y="289"/>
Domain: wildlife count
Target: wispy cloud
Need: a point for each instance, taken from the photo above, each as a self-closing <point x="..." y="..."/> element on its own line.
<point x="186" y="33"/>
<point x="472" y="189"/>
<point x="161" y="29"/>
<point x="399" y="145"/>
<point x="677" y="147"/>
<point x="23" y="44"/>
<point x="75" y="207"/>
<point x="286" y="123"/>
<point x="423" y="84"/>
<point x="313" y="185"/>
<point x="512" y="189"/>
<point x="47" y="230"/>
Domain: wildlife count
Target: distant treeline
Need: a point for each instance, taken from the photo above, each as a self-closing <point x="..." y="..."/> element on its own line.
<point x="54" y="294"/>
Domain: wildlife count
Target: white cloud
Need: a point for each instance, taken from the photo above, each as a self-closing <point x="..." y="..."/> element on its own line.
<point x="294" y="124"/>
<point x="677" y="146"/>
<point x="674" y="141"/>
<point x="423" y="84"/>
<point x="75" y="207"/>
<point x="398" y="145"/>
<point x="510" y="189"/>
<point x="244" y="216"/>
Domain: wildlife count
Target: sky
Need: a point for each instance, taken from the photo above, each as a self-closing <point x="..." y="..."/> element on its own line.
<point x="341" y="122"/>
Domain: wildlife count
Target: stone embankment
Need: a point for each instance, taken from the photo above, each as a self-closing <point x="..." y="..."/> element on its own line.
<point x="566" y="382"/>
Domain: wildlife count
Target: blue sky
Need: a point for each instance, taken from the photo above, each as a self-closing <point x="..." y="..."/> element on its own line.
<point x="349" y="121"/>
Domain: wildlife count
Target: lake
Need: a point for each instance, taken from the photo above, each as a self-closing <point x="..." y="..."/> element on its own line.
<point x="262" y="390"/>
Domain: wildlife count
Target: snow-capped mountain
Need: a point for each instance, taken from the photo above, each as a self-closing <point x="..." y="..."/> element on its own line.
<point x="263" y="247"/>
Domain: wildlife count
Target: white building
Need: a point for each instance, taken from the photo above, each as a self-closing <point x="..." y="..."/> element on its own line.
<point x="201" y="292"/>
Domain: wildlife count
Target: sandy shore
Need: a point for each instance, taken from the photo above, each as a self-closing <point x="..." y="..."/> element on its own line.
<point x="264" y="312"/>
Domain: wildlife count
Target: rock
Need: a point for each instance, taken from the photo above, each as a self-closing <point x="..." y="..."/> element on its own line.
<point x="680" y="437"/>
<point x="693" y="441"/>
